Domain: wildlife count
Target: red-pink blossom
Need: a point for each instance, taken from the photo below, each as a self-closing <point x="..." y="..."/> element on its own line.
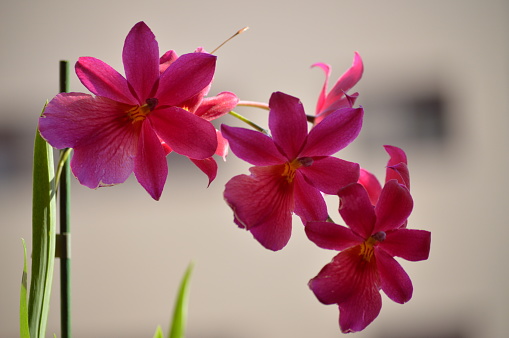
<point x="208" y="108"/>
<point x="291" y="169"/>
<point x="375" y="234"/>
<point x="119" y="130"/>
<point x="337" y="98"/>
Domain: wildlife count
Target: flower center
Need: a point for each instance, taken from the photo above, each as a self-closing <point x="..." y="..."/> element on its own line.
<point x="368" y="245"/>
<point x="291" y="167"/>
<point x="139" y="113"/>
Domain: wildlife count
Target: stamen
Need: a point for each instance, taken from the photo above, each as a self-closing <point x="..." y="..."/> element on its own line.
<point x="291" y="167"/>
<point x="379" y="236"/>
<point x="306" y="161"/>
<point x="367" y="248"/>
<point x="152" y="103"/>
<point x="240" y="31"/>
<point x="139" y="113"/>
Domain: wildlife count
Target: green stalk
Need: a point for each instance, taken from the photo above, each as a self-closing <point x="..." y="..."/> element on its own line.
<point x="64" y="191"/>
<point x="248" y="121"/>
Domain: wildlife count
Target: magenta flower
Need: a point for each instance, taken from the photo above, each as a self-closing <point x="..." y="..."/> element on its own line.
<point x="337" y="97"/>
<point x="375" y="234"/>
<point x="291" y="170"/>
<point x="119" y="131"/>
<point x="208" y="108"/>
<point x="397" y="169"/>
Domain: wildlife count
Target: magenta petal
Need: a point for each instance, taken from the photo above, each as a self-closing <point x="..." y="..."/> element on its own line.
<point x="371" y="184"/>
<point x="141" y="60"/>
<point x="185" y="133"/>
<point x="214" y="107"/>
<point x="393" y="208"/>
<point x="74" y="119"/>
<point x="208" y="166"/>
<point x="166" y="147"/>
<point x="107" y="157"/>
<point x="102" y="80"/>
<point x="323" y="93"/>
<point x="356" y="209"/>
<point x="252" y="146"/>
<point x="393" y="279"/>
<point x="287" y="123"/>
<point x="397" y="166"/>
<point x="309" y="202"/>
<point x="332" y="236"/>
<point x="262" y="203"/>
<point x="329" y="174"/>
<point x="150" y="166"/>
<point x="410" y="244"/>
<point x="397" y="155"/>
<point x="185" y="77"/>
<point x="166" y="60"/>
<point x="363" y="307"/>
<point x="334" y="133"/>
<point x="346" y="81"/>
<point x="222" y="145"/>
<point x="354" y="285"/>
<point x="336" y="282"/>
<point x="400" y="173"/>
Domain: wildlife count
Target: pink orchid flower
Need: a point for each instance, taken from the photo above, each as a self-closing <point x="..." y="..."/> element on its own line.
<point x="291" y="170"/>
<point x="365" y="264"/>
<point x="337" y="97"/>
<point x="118" y="131"/>
<point x="208" y="108"/>
<point x="397" y="168"/>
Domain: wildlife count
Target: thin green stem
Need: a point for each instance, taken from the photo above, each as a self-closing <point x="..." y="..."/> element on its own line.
<point x="249" y="122"/>
<point x="63" y="180"/>
<point x="64" y="156"/>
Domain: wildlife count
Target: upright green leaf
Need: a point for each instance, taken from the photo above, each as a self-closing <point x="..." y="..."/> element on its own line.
<point x="159" y="333"/>
<point x="178" y="325"/>
<point x="24" y="331"/>
<point x="43" y="237"/>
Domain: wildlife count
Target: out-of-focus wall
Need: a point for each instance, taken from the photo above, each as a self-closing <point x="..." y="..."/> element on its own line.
<point x="435" y="83"/>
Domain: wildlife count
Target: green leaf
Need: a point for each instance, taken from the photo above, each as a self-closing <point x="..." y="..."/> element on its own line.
<point x="159" y="333"/>
<point x="180" y="312"/>
<point x="24" y="331"/>
<point x="43" y="237"/>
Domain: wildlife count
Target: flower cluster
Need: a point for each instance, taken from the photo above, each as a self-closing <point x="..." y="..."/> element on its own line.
<point x="132" y="123"/>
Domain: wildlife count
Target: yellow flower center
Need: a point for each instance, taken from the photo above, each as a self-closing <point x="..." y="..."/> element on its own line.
<point x="139" y="113"/>
<point x="291" y="167"/>
<point x="367" y="248"/>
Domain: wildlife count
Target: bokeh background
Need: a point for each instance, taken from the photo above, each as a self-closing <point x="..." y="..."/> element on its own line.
<point x="436" y="83"/>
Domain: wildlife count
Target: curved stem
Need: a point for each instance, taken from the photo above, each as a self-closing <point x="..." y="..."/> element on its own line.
<point x="64" y="156"/>
<point x="249" y="122"/>
<point x="254" y="104"/>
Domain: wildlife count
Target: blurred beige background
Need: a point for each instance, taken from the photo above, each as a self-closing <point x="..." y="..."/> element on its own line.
<point x="436" y="83"/>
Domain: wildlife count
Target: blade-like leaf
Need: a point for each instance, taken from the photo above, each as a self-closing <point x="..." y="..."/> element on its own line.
<point x="159" y="333"/>
<point x="43" y="237"/>
<point x="178" y="325"/>
<point x="24" y="331"/>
